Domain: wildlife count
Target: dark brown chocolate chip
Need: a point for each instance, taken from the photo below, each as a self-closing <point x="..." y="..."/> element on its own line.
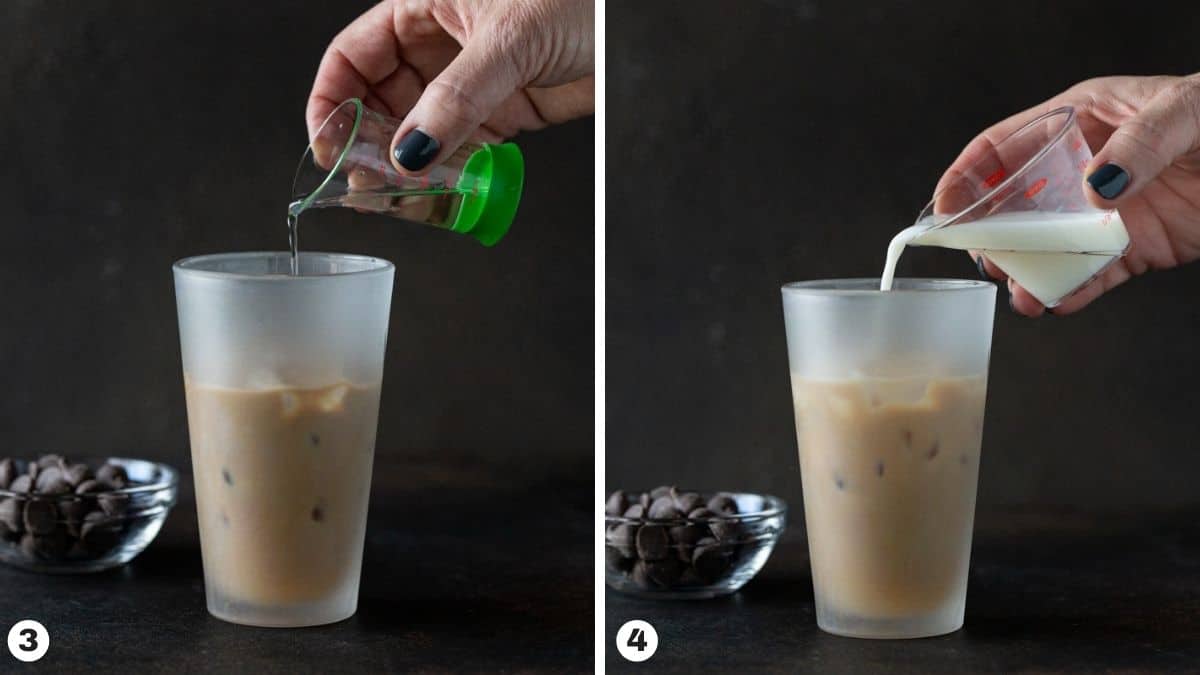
<point x="723" y="504"/>
<point x="52" y="546"/>
<point x="663" y="508"/>
<point x="644" y="499"/>
<point x="616" y="504"/>
<point x="99" y="531"/>
<point x="640" y="575"/>
<point x="8" y="471"/>
<point x="726" y="530"/>
<point x="661" y="491"/>
<point x="90" y="486"/>
<point x="318" y="513"/>
<point x="652" y="542"/>
<point x="114" y="474"/>
<point x="710" y="559"/>
<point x="623" y="538"/>
<point x="664" y="573"/>
<point x="78" y="550"/>
<point x="32" y="470"/>
<point x="21" y="484"/>
<point x="113" y="504"/>
<point x="228" y="477"/>
<point x="688" y="502"/>
<point x="77" y="473"/>
<point x="47" y="461"/>
<point x="635" y="512"/>
<point x="72" y="510"/>
<point x="51" y="481"/>
<point x="12" y="514"/>
<point x="684" y="537"/>
<point x="29" y="545"/>
<point x="933" y="451"/>
<point x="701" y="513"/>
<point x="40" y="516"/>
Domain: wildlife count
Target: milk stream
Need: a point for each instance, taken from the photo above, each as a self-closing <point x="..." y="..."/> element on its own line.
<point x="1049" y="254"/>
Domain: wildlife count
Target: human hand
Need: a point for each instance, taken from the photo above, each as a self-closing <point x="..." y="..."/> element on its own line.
<point x="458" y="70"/>
<point x="1145" y="132"/>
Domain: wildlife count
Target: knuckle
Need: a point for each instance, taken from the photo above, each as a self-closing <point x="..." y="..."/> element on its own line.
<point x="453" y="101"/>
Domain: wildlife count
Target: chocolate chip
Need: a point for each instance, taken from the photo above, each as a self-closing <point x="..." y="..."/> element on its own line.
<point x="614" y="561"/>
<point x="644" y="499"/>
<point x="688" y="501"/>
<point x="77" y="473"/>
<point x="616" y="504"/>
<point x="8" y="470"/>
<point x="623" y="538"/>
<point x="99" y="531"/>
<point x="28" y="545"/>
<point x="641" y="575"/>
<point x="78" y="550"/>
<point x="663" y="573"/>
<point x="21" y="484"/>
<point x="684" y="537"/>
<point x="661" y="491"/>
<point x="933" y="451"/>
<point x="113" y="504"/>
<point x="90" y="486"/>
<point x="47" y="461"/>
<point x="40" y="516"/>
<point x="701" y="513"/>
<point x="663" y="508"/>
<point x="52" y="546"/>
<point x="114" y="474"/>
<point x="318" y="513"/>
<point x="12" y="514"/>
<point x="652" y="542"/>
<point x="32" y="470"/>
<point x="726" y="530"/>
<point x="723" y="504"/>
<point x="635" y="512"/>
<point x="710" y="559"/>
<point x="51" y="481"/>
<point x="227" y="476"/>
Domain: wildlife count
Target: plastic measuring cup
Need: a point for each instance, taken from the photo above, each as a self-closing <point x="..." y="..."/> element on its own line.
<point x="1022" y="204"/>
<point x="348" y="163"/>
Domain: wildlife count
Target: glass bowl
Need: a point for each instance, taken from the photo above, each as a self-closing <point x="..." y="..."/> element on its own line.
<point x="89" y="532"/>
<point x="688" y="558"/>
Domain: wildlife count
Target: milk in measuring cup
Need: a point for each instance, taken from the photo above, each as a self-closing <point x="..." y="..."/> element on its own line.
<point x="1049" y="254"/>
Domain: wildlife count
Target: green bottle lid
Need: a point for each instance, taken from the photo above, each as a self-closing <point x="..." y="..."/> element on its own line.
<point x="496" y="174"/>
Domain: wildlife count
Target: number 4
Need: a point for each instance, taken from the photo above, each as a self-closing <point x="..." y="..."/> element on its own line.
<point x="637" y="638"/>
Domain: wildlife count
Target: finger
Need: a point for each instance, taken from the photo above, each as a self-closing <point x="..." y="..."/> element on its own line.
<point x="1022" y="302"/>
<point x="1167" y="128"/>
<point x="364" y="53"/>
<point x="455" y="104"/>
<point x="987" y="269"/>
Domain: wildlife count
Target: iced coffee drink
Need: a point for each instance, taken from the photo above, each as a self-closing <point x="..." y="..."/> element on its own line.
<point x="282" y="478"/>
<point x="889" y="390"/>
<point x="889" y="469"/>
<point x="282" y="374"/>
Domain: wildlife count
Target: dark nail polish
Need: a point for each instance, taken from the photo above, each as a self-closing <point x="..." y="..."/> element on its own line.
<point x="416" y="150"/>
<point x="982" y="270"/>
<point x="1108" y="181"/>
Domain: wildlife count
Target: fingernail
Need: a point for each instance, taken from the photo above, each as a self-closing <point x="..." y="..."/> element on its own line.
<point x="982" y="270"/>
<point x="1108" y="181"/>
<point x="416" y="150"/>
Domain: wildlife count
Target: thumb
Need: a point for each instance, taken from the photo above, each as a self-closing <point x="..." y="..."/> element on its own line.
<point x="1145" y="144"/>
<point x="453" y="105"/>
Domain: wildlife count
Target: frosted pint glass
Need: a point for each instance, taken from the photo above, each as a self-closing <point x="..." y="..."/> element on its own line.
<point x="889" y="390"/>
<point x="282" y="375"/>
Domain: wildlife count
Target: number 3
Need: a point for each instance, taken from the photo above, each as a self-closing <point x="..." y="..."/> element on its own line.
<point x="30" y="636"/>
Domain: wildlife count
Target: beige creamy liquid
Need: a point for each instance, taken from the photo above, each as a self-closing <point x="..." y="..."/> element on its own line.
<point x="889" y="469"/>
<point x="282" y="480"/>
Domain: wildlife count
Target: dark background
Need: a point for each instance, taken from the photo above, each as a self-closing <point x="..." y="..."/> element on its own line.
<point x="137" y="133"/>
<point x="750" y="144"/>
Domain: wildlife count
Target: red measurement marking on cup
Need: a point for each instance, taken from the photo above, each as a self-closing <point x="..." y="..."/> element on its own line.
<point x="1077" y="144"/>
<point x="1035" y="188"/>
<point x="1083" y="164"/>
<point x="996" y="177"/>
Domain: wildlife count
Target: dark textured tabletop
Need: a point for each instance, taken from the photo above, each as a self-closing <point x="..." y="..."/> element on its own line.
<point x="468" y="567"/>
<point x="1049" y="592"/>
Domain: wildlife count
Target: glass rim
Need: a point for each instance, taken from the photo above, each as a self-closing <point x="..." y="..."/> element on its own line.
<point x="869" y="286"/>
<point x="190" y="266"/>
<point x="308" y="199"/>
<point x="1067" y="110"/>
